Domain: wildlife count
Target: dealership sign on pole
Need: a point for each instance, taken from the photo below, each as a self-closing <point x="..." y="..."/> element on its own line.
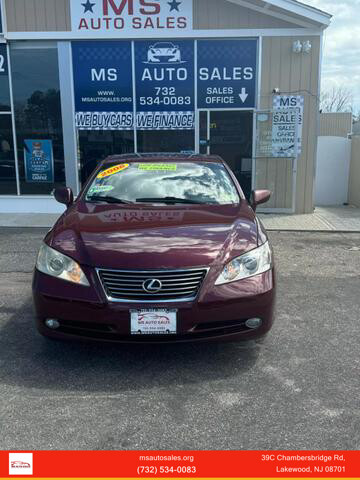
<point x="130" y="18"/>
<point x="287" y="122"/>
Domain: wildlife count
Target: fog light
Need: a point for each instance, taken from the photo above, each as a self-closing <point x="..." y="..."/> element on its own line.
<point x="52" y="323"/>
<point x="253" y="323"/>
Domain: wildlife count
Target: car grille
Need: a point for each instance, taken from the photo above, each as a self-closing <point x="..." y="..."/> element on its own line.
<point x="127" y="286"/>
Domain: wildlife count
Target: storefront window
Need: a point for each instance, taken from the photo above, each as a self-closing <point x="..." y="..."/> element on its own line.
<point x="7" y="159"/>
<point x="166" y="141"/>
<point x="4" y="80"/>
<point x="38" y="119"/>
<point x="4" y="94"/>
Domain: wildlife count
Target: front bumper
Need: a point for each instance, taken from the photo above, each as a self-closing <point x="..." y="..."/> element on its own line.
<point x="219" y="313"/>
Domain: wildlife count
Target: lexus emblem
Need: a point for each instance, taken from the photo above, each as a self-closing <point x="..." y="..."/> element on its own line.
<point x="152" y="285"/>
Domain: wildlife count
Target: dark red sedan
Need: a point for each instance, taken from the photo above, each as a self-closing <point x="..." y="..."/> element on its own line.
<point x="157" y="248"/>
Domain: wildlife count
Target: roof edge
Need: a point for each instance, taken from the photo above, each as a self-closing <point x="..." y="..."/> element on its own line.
<point x="307" y="11"/>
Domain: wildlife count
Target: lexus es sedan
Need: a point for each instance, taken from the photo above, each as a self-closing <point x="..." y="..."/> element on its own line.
<point x="157" y="248"/>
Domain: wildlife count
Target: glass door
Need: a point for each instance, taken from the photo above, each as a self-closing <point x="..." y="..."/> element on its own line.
<point x="230" y="135"/>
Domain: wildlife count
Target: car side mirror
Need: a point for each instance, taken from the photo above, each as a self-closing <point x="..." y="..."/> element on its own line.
<point x="64" y="195"/>
<point x="258" y="197"/>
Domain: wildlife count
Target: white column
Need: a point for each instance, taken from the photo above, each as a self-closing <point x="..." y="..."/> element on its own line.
<point x="68" y="116"/>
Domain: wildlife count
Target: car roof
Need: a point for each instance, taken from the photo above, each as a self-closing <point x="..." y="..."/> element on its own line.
<point x="161" y="157"/>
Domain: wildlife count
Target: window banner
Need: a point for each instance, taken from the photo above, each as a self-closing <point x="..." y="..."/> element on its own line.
<point x="164" y="82"/>
<point x="165" y="86"/>
<point x="103" y="85"/>
<point x="227" y="73"/>
<point x="39" y="161"/>
<point x="181" y="464"/>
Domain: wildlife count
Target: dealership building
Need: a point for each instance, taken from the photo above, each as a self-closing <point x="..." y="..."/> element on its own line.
<point x="84" y="79"/>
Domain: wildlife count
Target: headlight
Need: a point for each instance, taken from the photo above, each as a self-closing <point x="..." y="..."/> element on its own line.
<point x="253" y="263"/>
<point x="56" y="264"/>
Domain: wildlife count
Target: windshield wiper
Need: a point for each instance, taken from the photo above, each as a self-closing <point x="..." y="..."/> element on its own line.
<point x="169" y="200"/>
<point x="107" y="199"/>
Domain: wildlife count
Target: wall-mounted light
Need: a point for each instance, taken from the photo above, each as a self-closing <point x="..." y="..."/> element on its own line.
<point x="302" y="47"/>
<point x="297" y="46"/>
<point x="307" y="46"/>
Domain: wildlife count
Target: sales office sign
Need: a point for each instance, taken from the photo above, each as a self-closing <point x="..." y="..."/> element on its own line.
<point x="130" y="18"/>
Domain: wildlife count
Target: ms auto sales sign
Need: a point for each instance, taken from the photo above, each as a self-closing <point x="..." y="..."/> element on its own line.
<point x="130" y="18"/>
<point x="287" y="124"/>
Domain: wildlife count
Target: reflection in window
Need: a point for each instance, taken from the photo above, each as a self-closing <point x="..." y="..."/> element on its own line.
<point x="96" y="145"/>
<point x="38" y="111"/>
<point x="203" y="133"/>
<point x="4" y="80"/>
<point x="4" y="94"/>
<point x="7" y="159"/>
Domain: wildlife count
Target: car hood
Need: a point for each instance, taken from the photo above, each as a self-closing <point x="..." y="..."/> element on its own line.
<point x="127" y="237"/>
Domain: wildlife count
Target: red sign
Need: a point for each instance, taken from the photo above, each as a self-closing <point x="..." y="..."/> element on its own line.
<point x="191" y="464"/>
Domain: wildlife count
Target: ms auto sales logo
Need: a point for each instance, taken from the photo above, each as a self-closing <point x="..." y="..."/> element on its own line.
<point x="20" y="463"/>
<point x="108" y="16"/>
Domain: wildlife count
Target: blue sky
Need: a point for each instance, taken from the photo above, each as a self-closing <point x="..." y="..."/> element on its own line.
<point x="341" y="65"/>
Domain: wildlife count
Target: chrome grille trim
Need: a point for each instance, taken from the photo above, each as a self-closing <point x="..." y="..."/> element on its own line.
<point x="116" y="275"/>
<point x="125" y="286"/>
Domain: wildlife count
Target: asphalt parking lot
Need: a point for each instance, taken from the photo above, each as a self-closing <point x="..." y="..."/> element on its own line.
<point x="297" y="390"/>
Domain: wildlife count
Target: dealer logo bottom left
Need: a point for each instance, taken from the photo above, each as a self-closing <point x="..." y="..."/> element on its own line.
<point x="20" y="463"/>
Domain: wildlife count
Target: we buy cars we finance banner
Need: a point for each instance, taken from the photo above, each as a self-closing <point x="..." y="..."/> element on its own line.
<point x="181" y="464"/>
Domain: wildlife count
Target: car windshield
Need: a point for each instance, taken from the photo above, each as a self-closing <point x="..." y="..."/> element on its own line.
<point x="168" y="183"/>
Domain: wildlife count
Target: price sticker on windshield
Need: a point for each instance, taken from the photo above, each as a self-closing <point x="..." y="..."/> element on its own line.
<point x="113" y="170"/>
<point x="153" y="167"/>
<point x="100" y="189"/>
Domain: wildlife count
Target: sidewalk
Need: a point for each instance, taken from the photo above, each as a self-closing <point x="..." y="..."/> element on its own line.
<point x="324" y="219"/>
<point x="330" y="219"/>
<point x="44" y="220"/>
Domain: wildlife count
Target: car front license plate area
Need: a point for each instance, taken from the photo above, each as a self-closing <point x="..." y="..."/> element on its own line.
<point x="153" y="322"/>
